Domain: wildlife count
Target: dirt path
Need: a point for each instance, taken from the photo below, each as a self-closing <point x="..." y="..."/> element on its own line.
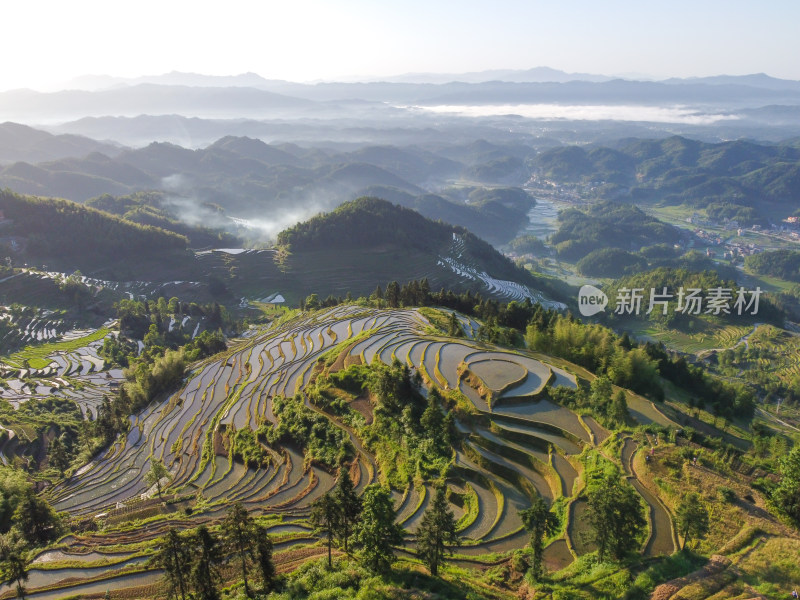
<point x="774" y="418"/>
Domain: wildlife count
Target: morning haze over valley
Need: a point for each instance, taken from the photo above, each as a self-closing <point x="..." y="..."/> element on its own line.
<point x="410" y="300"/>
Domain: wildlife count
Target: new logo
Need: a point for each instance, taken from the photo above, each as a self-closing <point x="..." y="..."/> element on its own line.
<point x="591" y="300"/>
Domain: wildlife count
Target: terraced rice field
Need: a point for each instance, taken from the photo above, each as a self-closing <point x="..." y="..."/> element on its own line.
<point x="455" y="260"/>
<point x="71" y="368"/>
<point x="522" y="446"/>
<point x="34" y="325"/>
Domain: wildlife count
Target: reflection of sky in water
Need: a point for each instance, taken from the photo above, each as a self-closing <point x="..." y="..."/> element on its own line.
<point x="542" y="219"/>
<point x="548" y="112"/>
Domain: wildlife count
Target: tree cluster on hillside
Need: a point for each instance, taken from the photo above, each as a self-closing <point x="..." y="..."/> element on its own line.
<point x="598" y="398"/>
<point x="193" y="562"/>
<point x="527" y="244"/>
<point x="20" y="508"/>
<point x="778" y="263"/>
<point x="409" y="435"/>
<point x="370" y="520"/>
<point x="61" y="228"/>
<point x="493" y="214"/>
<point x="634" y="366"/>
<point x="609" y="225"/>
<point x="27" y="522"/>
<point x="597" y="348"/>
<point x="673" y="280"/>
<point x="337" y="513"/>
<point x="322" y="440"/>
<point x="615" y="515"/>
<point x="366" y="222"/>
<point x="49" y="421"/>
<point x="610" y="262"/>
<point x="137" y="317"/>
<point x="14" y="560"/>
<point x="723" y="398"/>
<point x="149" y="208"/>
<point x="745" y="216"/>
<point x="786" y="495"/>
<point x="246" y="447"/>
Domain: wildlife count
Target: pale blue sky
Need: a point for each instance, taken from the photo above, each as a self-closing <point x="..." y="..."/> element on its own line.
<point x="47" y="41"/>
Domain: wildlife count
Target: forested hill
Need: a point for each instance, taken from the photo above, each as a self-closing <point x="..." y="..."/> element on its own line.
<point x="370" y="222"/>
<point x="365" y="222"/>
<point x="735" y="180"/>
<point x="59" y="229"/>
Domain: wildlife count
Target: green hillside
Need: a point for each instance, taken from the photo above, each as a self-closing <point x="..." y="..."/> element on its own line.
<point x="68" y="235"/>
<point x="740" y="180"/>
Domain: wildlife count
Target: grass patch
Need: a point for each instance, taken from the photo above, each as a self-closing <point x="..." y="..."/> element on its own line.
<point x="663" y="570"/>
<point x="471" y="508"/>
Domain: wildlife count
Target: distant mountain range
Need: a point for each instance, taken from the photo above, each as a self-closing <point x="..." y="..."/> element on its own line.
<point x="249" y="96"/>
<point x="266" y="187"/>
<point x="22" y="143"/>
<point x="539" y="74"/>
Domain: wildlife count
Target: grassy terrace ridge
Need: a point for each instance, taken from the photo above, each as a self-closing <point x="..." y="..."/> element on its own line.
<point x="36" y="356"/>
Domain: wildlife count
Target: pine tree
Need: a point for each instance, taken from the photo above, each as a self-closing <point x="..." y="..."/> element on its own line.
<point x="601" y="390"/>
<point x="453" y="326"/>
<point x="425" y="291"/>
<point x="14" y="561"/>
<point x="58" y="455"/>
<point x="205" y="574"/>
<point x="264" y="558"/>
<point x="691" y="518"/>
<point x="437" y="529"/>
<point x="393" y="294"/>
<point x="618" y="409"/>
<point x="616" y="516"/>
<point x="377" y="532"/>
<point x="432" y="419"/>
<point x="175" y="558"/>
<point x="540" y="523"/>
<point x="325" y="518"/>
<point x="237" y="531"/>
<point x="36" y="519"/>
<point x="349" y="506"/>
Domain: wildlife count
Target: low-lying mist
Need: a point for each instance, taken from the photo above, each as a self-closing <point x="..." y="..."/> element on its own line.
<point x="652" y="114"/>
<point x="261" y="223"/>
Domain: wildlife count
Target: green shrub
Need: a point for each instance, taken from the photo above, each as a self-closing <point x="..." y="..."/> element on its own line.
<point x="321" y="439"/>
<point x="726" y="494"/>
